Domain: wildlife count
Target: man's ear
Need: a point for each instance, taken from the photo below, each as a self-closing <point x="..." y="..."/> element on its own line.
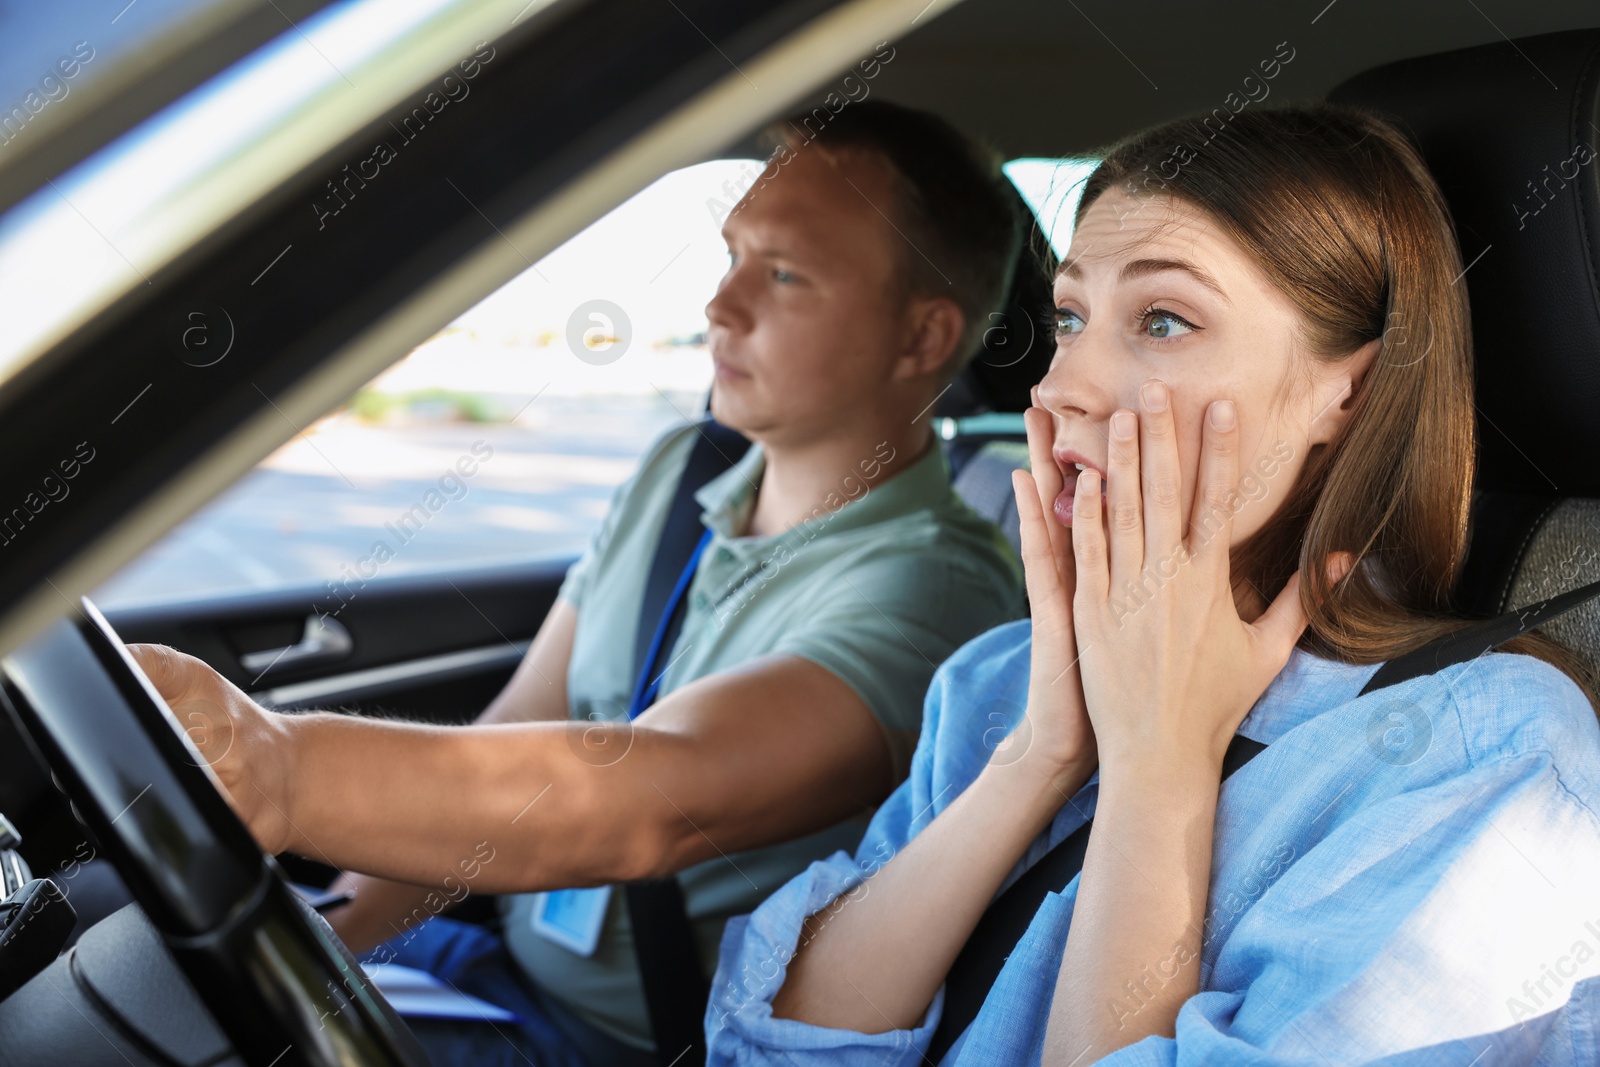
<point x="1337" y="385"/>
<point x="933" y="330"/>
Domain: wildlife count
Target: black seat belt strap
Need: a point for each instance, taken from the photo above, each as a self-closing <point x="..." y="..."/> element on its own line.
<point x="1005" y="921"/>
<point x="716" y="448"/>
<point x="1008" y="918"/>
<point x="675" y="987"/>
<point x="1473" y="641"/>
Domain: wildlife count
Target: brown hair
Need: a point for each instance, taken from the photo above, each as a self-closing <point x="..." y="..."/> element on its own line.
<point x="1341" y="214"/>
<point x="955" y="208"/>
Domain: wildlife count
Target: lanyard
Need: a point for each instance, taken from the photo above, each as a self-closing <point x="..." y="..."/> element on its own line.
<point x="645" y="689"/>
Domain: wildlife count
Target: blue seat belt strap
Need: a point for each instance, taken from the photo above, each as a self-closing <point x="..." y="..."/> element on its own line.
<point x="646" y="688"/>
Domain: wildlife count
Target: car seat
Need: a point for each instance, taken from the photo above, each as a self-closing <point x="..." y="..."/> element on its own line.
<point x="1510" y="131"/>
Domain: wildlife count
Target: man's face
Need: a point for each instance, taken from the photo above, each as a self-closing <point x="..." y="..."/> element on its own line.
<point x="806" y="323"/>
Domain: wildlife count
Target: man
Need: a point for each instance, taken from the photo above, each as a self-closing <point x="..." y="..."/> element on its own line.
<point x="840" y="570"/>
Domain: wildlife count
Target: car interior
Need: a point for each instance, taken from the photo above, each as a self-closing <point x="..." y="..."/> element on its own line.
<point x="218" y="963"/>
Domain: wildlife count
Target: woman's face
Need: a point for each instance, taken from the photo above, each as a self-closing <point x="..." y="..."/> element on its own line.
<point x="1153" y="289"/>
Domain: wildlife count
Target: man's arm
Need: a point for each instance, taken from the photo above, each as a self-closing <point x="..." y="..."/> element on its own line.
<point x="765" y="752"/>
<point x="537" y="691"/>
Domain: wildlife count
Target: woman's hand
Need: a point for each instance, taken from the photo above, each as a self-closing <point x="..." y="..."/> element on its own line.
<point x="1169" y="668"/>
<point x="247" y="747"/>
<point x="1060" y="736"/>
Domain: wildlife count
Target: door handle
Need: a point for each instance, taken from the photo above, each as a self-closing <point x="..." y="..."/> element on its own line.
<point x="325" y="639"/>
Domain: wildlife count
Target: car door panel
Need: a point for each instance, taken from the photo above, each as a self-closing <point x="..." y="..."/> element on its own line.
<point x="436" y="632"/>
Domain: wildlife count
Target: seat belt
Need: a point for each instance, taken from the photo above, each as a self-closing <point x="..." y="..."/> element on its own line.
<point x="675" y="987"/>
<point x="1006" y="919"/>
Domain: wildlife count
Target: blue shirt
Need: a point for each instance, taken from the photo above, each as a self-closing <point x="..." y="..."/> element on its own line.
<point x="1409" y="877"/>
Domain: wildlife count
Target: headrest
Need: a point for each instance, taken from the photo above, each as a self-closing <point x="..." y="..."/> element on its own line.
<point x="1512" y="133"/>
<point x="1016" y="349"/>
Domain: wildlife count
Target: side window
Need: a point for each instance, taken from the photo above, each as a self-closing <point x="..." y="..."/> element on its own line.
<point x="1052" y="187"/>
<point x="499" y="439"/>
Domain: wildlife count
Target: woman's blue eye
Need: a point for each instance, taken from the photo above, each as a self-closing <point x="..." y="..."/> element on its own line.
<point x="781" y="275"/>
<point x="1158" y="323"/>
<point x="1067" y="322"/>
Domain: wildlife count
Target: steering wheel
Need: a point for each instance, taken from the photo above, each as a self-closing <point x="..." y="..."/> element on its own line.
<point x="277" y="981"/>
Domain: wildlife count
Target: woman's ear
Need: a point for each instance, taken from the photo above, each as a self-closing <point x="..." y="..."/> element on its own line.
<point x="934" y="329"/>
<point x="1336" y="387"/>
<point x="1337" y="565"/>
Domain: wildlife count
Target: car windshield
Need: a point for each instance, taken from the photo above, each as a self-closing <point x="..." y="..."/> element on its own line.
<point x="104" y="227"/>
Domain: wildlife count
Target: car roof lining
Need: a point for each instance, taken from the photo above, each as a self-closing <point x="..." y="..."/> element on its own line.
<point x="990" y="66"/>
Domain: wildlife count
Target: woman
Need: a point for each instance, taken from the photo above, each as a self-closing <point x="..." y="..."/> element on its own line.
<point x="1252" y="460"/>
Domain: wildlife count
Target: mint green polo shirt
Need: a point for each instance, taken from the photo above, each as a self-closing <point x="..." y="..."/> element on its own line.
<point x="878" y="591"/>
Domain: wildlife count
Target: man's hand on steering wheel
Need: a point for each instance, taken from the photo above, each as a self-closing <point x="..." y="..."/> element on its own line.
<point x="247" y="747"/>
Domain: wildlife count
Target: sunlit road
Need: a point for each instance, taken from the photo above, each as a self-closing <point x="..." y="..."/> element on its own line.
<point x="320" y="506"/>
